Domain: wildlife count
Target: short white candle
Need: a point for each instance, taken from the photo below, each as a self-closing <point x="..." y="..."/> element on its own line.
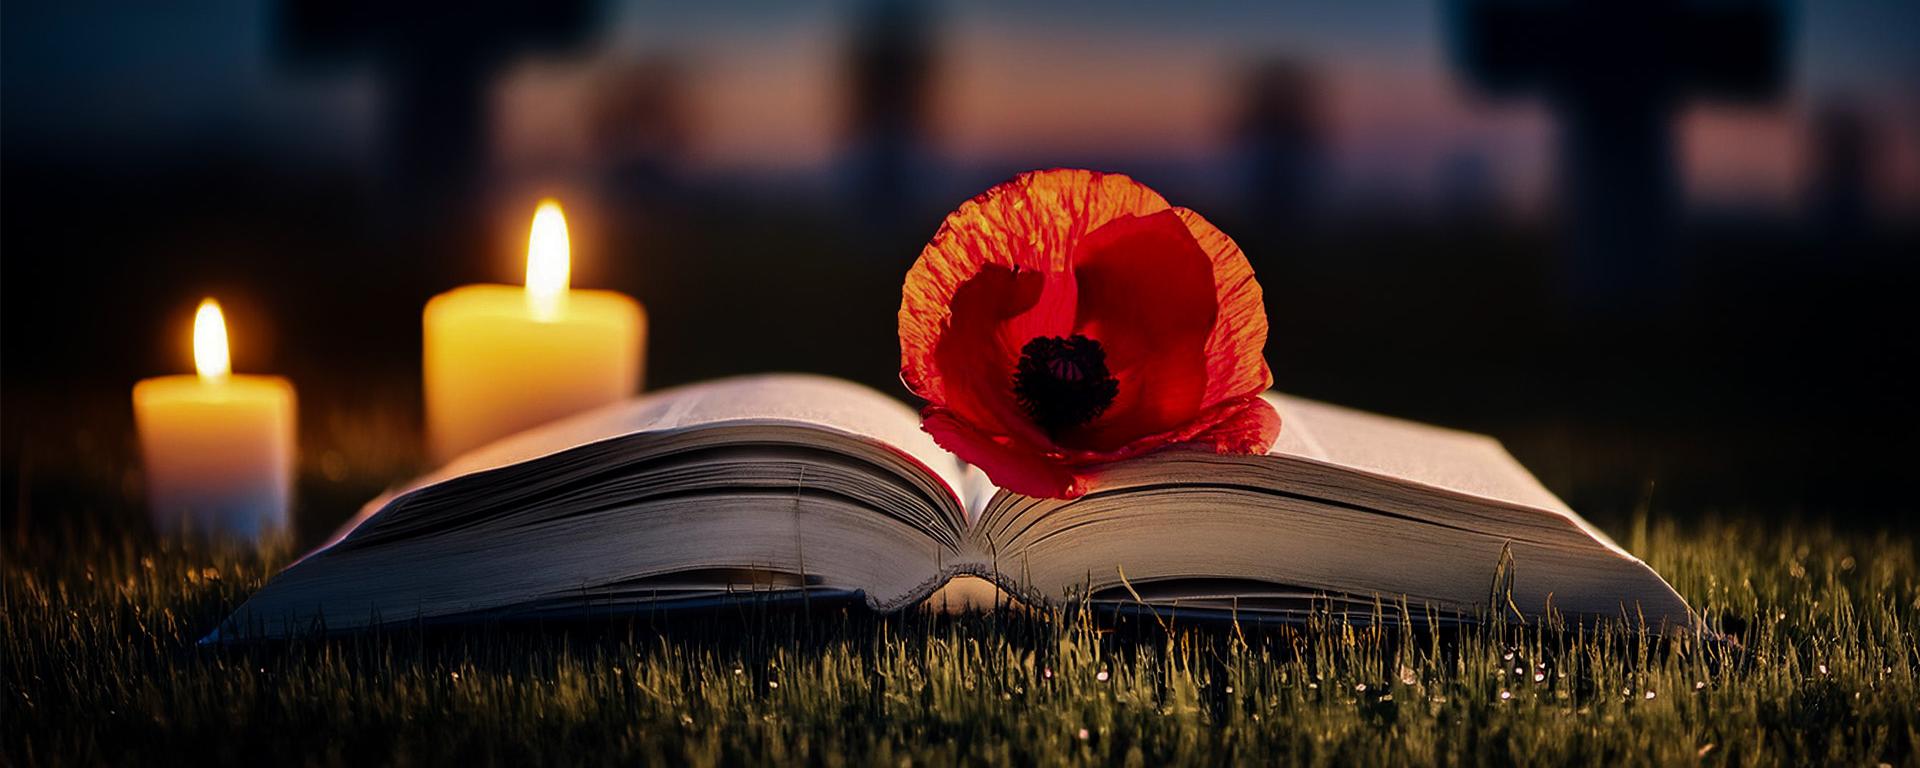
<point x="218" y="447"/>
<point x="499" y="359"/>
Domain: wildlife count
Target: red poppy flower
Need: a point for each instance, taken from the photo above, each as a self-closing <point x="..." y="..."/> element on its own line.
<point x="1070" y="318"/>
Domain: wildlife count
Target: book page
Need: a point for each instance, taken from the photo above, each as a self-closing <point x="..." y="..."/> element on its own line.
<point x="819" y="401"/>
<point x="1346" y="504"/>
<point x="977" y="491"/>
<point x="1446" y="458"/>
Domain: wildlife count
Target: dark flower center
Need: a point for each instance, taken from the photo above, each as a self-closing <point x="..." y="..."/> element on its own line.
<point x="1063" y="383"/>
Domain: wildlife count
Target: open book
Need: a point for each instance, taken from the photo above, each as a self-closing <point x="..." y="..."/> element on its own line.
<point x="804" y="485"/>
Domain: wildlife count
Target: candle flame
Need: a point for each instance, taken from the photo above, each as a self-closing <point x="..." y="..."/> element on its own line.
<point x="548" y="260"/>
<point x="210" y="342"/>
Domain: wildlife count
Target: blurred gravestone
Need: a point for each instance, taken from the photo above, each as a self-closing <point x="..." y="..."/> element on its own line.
<point x="1279" y="138"/>
<point x="639" y="126"/>
<point x="1468" y="192"/>
<point x="890" y="70"/>
<point x="1844" y="155"/>
<point x="1614" y="72"/>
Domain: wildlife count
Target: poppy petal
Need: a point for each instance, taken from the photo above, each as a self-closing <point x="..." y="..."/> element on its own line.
<point x="1171" y="299"/>
<point x="1236" y="350"/>
<point x="1050" y="315"/>
<point x="974" y="359"/>
<point x="1018" y="469"/>
<point x="1249" y="426"/>
<point x="1030" y="222"/>
<point x="1242" y="425"/>
<point x="1146" y="293"/>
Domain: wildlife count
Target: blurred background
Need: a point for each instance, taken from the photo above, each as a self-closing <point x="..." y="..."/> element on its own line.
<point x="1666" y="251"/>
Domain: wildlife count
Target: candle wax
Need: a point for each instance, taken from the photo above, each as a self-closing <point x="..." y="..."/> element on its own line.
<point x="219" y="453"/>
<point x="494" y="367"/>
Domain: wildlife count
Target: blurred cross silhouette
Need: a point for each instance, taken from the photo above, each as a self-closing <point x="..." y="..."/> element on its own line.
<point x="1280" y="135"/>
<point x="890" y="71"/>
<point x="1614" y="72"/>
<point x="437" y="59"/>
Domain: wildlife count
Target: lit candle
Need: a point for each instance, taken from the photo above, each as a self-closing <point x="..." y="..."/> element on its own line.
<point x="218" y="447"/>
<point x="499" y="359"/>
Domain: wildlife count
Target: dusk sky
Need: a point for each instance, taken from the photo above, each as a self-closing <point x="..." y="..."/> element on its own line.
<point x="1015" y="85"/>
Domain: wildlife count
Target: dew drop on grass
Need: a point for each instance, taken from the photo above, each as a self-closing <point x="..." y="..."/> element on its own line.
<point x="1102" y="677"/>
<point x="1084" y="734"/>
<point x="1505" y="695"/>
<point x="1539" y="677"/>
<point x="1650" y="695"/>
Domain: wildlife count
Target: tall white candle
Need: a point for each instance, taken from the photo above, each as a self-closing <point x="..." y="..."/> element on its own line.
<point x="218" y="447"/>
<point x="499" y="359"/>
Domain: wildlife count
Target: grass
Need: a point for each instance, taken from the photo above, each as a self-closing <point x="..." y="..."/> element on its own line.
<point x="100" y="666"/>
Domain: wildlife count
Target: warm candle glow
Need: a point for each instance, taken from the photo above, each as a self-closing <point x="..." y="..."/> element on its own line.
<point x="548" y="261"/>
<point x="210" y="342"/>
<point x="499" y="359"/>
<point x="218" y="446"/>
